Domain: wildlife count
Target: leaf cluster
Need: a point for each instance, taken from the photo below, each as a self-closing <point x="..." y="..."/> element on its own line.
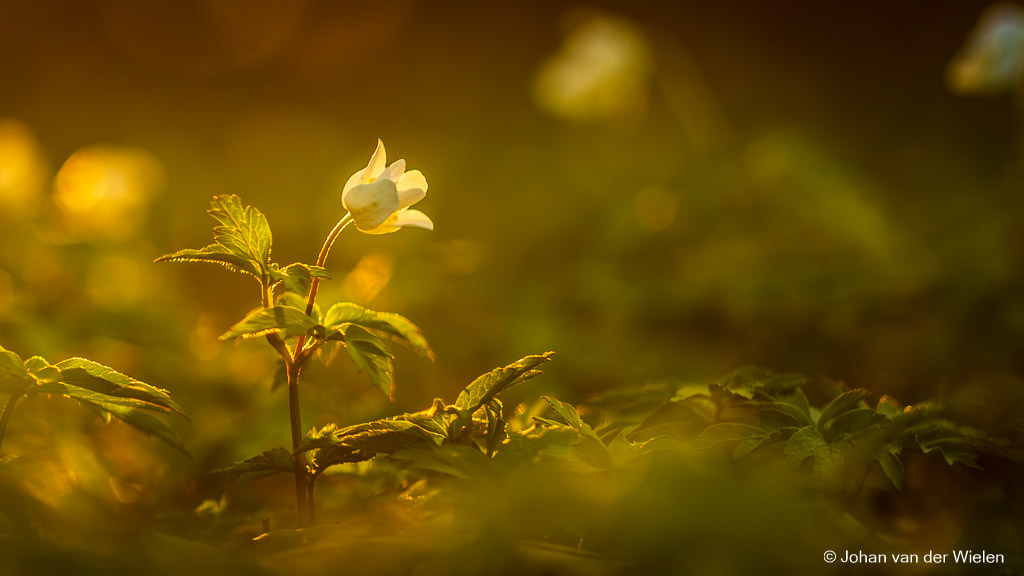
<point x="457" y="439"/>
<point x="107" y="391"/>
<point x="819" y="423"/>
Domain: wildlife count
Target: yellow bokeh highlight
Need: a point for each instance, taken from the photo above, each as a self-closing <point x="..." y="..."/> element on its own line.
<point x="369" y="277"/>
<point x="601" y="72"/>
<point x="103" y="191"/>
<point x="22" y="170"/>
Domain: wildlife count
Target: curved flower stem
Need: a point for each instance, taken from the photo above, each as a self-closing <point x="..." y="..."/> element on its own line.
<point x="7" y="414"/>
<point x="322" y="258"/>
<point x="304" y="483"/>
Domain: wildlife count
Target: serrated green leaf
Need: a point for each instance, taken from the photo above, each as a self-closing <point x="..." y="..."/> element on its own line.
<point x="371" y="356"/>
<point x="451" y="459"/>
<point x="298" y="301"/>
<point x="728" y="432"/>
<point x="395" y="326"/>
<point x="14" y="376"/>
<point x="42" y="370"/>
<point x="295" y="278"/>
<point x="808" y="442"/>
<point x="485" y="387"/>
<point x="793" y="414"/>
<point x="853" y="422"/>
<point x="285" y="320"/>
<point x="889" y="407"/>
<point x="132" y="411"/>
<point x="386" y="437"/>
<point x="842" y="403"/>
<point x="94" y="376"/>
<point x="495" y="426"/>
<point x="269" y="462"/>
<point x="954" y="446"/>
<point x="434" y="420"/>
<point x="804" y="443"/>
<point x="892" y="467"/>
<point x="326" y="449"/>
<point x="749" y="380"/>
<point x="242" y="241"/>
<point x="566" y="411"/>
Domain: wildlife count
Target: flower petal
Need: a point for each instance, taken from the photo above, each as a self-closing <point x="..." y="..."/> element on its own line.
<point x="409" y="196"/>
<point x="413" y="218"/>
<point x="371" y="204"/>
<point x="394" y="172"/>
<point x="412" y="179"/>
<point x="373" y="168"/>
<point x="402" y="218"/>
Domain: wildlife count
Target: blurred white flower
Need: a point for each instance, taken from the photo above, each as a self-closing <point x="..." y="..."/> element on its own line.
<point x="379" y="198"/>
<point x="992" y="59"/>
<point x="600" y="73"/>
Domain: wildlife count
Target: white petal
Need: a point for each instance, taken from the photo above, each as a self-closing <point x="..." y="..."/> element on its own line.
<point x="402" y="218"/>
<point x="409" y="196"/>
<point x="373" y="168"/>
<point x="412" y="179"/>
<point x="371" y="204"/>
<point x="393" y="172"/>
<point x="413" y="218"/>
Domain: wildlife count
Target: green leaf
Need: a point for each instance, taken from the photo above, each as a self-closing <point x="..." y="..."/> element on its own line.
<point x="242" y="241"/>
<point x="729" y="432"/>
<point x="371" y="355"/>
<point x="42" y="370"/>
<point x="854" y="422"/>
<point x="265" y="464"/>
<point x="892" y="467"/>
<point x="748" y="380"/>
<point x="804" y="443"/>
<point x="94" y="376"/>
<point x="566" y="411"/>
<point x="495" y="426"/>
<point x="285" y="320"/>
<point x="433" y="420"/>
<point x="386" y="437"/>
<point x="14" y="376"/>
<point x="132" y="411"/>
<point x="326" y="449"/>
<point x="954" y="446"/>
<point x="482" y="390"/>
<point x="295" y="278"/>
<point x="394" y="325"/>
<point x="842" y="403"/>
<point x="808" y="442"/>
<point x="888" y="406"/>
<point x="451" y="459"/>
<point x="793" y="414"/>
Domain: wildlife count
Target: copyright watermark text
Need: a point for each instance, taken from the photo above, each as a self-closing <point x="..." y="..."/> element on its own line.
<point x="932" y="557"/>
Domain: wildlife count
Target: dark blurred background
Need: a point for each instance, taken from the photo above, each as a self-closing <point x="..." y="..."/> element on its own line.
<point x="653" y="190"/>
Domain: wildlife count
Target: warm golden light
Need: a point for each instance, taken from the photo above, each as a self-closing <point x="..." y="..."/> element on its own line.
<point x="21" y="166"/>
<point x="103" y="191"/>
<point x="601" y="72"/>
<point x="369" y="277"/>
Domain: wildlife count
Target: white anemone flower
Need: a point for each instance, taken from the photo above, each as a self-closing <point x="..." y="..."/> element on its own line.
<point x="379" y="198"/>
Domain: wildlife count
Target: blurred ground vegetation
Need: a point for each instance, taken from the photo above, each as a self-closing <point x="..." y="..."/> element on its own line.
<point x="660" y="192"/>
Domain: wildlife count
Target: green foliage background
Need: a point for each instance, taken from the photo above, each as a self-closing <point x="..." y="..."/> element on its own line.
<point x="792" y="186"/>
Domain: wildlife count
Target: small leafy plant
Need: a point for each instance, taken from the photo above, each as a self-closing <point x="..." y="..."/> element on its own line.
<point x="110" y="393"/>
<point x="377" y="199"/>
